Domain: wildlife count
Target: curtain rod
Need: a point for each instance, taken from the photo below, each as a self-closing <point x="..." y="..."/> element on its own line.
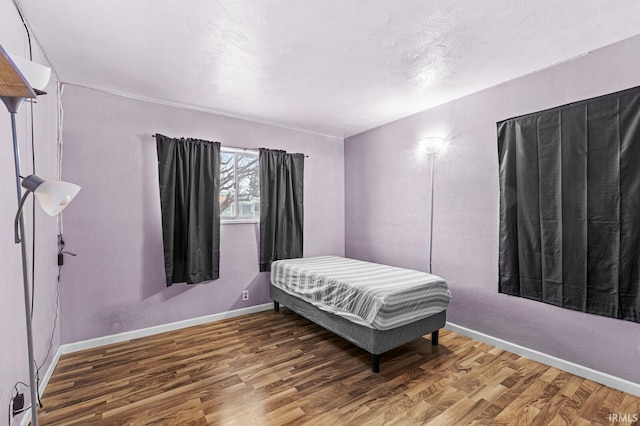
<point x="239" y="147"/>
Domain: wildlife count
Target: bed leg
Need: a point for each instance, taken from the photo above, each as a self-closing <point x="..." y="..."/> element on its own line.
<point x="375" y="363"/>
<point x="276" y="306"/>
<point x="434" y="337"/>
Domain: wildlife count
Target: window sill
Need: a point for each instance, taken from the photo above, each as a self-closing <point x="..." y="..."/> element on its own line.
<point x="238" y="221"/>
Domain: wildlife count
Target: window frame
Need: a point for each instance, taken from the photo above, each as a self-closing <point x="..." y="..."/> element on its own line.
<point x="237" y="219"/>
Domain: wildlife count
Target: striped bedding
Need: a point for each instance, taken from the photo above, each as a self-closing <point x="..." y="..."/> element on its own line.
<point x="381" y="297"/>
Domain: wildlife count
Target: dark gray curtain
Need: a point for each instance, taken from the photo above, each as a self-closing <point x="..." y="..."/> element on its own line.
<point x="281" y="206"/>
<point x="570" y="206"/>
<point x="189" y="174"/>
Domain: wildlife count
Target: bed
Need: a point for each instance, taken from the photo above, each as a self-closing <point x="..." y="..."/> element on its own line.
<point x="376" y="307"/>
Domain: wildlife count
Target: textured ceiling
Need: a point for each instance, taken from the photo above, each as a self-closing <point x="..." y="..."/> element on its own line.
<point x="335" y="67"/>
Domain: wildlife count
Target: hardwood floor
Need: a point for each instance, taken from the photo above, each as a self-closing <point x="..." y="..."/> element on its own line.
<point x="269" y="368"/>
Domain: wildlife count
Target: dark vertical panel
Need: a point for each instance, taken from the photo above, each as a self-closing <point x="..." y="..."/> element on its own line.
<point x="528" y="196"/>
<point x="570" y="235"/>
<point x="574" y="207"/>
<point x="204" y="212"/>
<point x="509" y="273"/>
<point x="603" y="201"/>
<point x="629" y="273"/>
<point x="170" y="206"/>
<point x="549" y="155"/>
<point x="281" y="206"/>
<point x="189" y="181"/>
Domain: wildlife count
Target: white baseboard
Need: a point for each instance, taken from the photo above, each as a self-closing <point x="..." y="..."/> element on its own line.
<point x="149" y="331"/>
<point x="568" y="366"/>
<point x="44" y="381"/>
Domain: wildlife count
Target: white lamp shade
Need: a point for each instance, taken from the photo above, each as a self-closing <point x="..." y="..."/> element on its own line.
<point x="37" y="75"/>
<point x="54" y="196"/>
<point x="432" y="145"/>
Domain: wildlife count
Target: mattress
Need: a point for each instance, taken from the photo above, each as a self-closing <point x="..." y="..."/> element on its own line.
<point x="378" y="296"/>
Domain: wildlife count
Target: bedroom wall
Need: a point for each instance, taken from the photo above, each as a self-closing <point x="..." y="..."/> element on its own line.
<point x="116" y="283"/>
<point x="14" y="365"/>
<point x="387" y="208"/>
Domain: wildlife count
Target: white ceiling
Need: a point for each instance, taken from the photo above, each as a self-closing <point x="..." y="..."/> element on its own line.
<point x="335" y="67"/>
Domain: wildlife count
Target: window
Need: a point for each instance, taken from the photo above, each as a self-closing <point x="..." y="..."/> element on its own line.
<point x="239" y="185"/>
<point x="569" y="200"/>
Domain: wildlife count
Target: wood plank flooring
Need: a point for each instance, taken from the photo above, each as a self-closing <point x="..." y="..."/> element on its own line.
<point x="267" y="368"/>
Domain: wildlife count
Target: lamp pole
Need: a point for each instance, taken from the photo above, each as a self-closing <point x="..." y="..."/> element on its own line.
<point x="431" y="146"/>
<point x="13" y="104"/>
<point x="431" y="213"/>
<point x="14" y="90"/>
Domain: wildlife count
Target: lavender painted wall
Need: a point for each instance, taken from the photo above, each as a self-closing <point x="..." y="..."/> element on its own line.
<point x="116" y="283"/>
<point x="387" y="208"/>
<point x="13" y="356"/>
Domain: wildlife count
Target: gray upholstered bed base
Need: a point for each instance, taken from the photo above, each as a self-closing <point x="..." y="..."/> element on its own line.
<point x="373" y="341"/>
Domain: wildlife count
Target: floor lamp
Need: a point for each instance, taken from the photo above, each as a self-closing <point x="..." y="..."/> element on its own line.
<point x="431" y="146"/>
<point x="52" y="196"/>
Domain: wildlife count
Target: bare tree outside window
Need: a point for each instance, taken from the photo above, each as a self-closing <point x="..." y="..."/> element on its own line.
<point x="239" y="185"/>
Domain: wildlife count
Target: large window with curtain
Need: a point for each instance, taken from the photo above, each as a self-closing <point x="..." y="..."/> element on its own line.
<point x="570" y="206"/>
<point x="199" y="183"/>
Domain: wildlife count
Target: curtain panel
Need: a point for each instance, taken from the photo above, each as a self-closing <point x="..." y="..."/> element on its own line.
<point x="570" y="206"/>
<point x="189" y="176"/>
<point x="281" y="206"/>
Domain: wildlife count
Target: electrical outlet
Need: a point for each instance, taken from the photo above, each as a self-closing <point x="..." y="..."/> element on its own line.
<point x="18" y="404"/>
<point x="245" y="294"/>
